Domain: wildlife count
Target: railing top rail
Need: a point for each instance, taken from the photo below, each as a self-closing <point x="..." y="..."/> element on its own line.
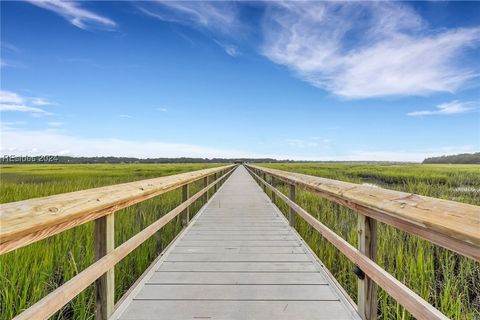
<point x="29" y="219"/>
<point x="451" y="224"/>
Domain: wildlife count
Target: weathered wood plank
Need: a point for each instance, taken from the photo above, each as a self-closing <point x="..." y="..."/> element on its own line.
<point x="236" y="278"/>
<point x="238" y="266"/>
<point x="250" y="257"/>
<point x="239" y="250"/>
<point x="242" y="237"/>
<point x="235" y="310"/>
<point x="239" y="243"/>
<point x="249" y="292"/>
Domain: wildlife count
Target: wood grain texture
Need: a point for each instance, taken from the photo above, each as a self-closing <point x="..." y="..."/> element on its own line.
<point x="450" y="224"/>
<point x="105" y="285"/>
<point x="27" y="221"/>
<point x="367" y="289"/>
<point x="415" y="304"/>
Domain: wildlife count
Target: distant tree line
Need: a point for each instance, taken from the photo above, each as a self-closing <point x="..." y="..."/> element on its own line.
<point x="81" y="160"/>
<point x="464" y="158"/>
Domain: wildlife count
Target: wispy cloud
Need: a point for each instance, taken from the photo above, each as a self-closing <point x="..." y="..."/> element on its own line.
<point x="219" y="16"/>
<point x="127" y="116"/>
<point x="10" y="97"/>
<point x="11" y="101"/>
<point x="50" y="141"/>
<point x="75" y="14"/>
<point x="230" y="49"/>
<point x="311" y="142"/>
<point x="353" y="49"/>
<point x="40" y="101"/>
<point x="22" y="108"/>
<point x="162" y="109"/>
<point x="299" y="143"/>
<point x="55" y="123"/>
<point x="53" y="142"/>
<point x="453" y="107"/>
<point x="366" y="49"/>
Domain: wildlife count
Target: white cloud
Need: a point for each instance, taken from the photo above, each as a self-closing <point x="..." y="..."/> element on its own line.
<point x="352" y="49"/>
<point x="11" y="101"/>
<point x="22" y="108"/>
<point x="311" y="142"/>
<point x="366" y="49"/>
<point x="10" y="97"/>
<point x="39" y="101"/>
<point x="230" y="49"/>
<point x="406" y="155"/>
<point x="125" y="116"/>
<point x="55" y="142"/>
<point x="162" y="109"/>
<point x="448" y="108"/>
<point x="219" y="16"/>
<point x="76" y="15"/>
<point x="51" y="142"/>
<point x="300" y="143"/>
<point x="55" y="123"/>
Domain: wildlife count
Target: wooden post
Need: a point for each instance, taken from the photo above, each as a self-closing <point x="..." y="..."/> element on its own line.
<point x="105" y="285"/>
<point x="264" y="177"/>
<point x="214" y="179"/>
<point x="186" y="212"/>
<point x="291" y="215"/>
<point x="272" y="182"/>
<point x="205" y="183"/>
<point x="367" y="289"/>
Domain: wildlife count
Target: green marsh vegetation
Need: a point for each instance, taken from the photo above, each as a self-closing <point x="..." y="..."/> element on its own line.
<point x="447" y="280"/>
<point x="31" y="272"/>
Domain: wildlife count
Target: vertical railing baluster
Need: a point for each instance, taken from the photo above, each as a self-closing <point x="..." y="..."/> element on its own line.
<point x="272" y="182"/>
<point x="205" y="184"/>
<point x="185" y="196"/>
<point x="367" y="289"/>
<point x="105" y="285"/>
<point x="292" y="214"/>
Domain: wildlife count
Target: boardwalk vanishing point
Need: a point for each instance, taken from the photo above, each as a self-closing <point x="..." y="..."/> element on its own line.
<point x="238" y="259"/>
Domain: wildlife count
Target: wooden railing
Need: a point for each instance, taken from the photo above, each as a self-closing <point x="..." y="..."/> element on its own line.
<point x="452" y="225"/>
<point x="28" y="221"/>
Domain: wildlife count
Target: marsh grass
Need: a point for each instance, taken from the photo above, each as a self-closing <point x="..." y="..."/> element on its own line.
<point x="30" y="273"/>
<point x="447" y="280"/>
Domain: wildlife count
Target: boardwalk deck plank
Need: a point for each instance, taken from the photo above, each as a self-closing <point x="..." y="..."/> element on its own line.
<point x="238" y="259"/>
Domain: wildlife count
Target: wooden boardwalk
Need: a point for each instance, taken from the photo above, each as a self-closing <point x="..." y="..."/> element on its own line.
<point x="238" y="259"/>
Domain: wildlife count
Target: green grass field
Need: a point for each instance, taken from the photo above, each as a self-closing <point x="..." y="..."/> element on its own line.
<point x="30" y="273"/>
<point x="447" y="280"/>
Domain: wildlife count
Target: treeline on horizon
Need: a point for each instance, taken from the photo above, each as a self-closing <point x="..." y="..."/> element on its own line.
<point x="82" y="160"/>
<point x="464" y="158"/>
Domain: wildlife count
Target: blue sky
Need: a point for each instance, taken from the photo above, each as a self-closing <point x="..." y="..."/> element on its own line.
<point x="314" y="81"/>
